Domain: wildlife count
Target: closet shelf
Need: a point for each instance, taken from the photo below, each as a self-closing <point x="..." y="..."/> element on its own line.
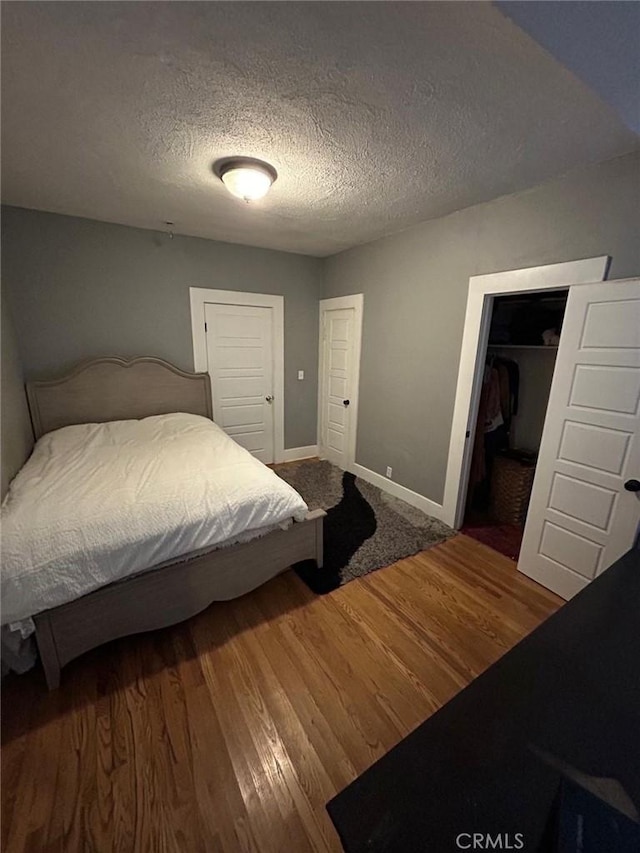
<point x="521" y="346"/>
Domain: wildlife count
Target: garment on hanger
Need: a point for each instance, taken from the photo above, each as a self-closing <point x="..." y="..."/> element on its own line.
<point x="488" y="411"/>
<point x="498" y="404"/>
<point x="491" y="386"/>
<point x="505" y="391"/>
<point x="514" y="382"/>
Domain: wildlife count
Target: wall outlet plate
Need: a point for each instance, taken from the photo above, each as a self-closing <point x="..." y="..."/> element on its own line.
<point x="389" y="472"/>
<point x="301" y="374"/>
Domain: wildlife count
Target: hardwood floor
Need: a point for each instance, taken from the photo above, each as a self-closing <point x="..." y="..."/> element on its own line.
<point x="231" y="731"/>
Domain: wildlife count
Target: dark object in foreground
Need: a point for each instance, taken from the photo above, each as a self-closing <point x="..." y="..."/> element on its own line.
<point x="346" y="526"/>
<point x="489" y="761"/>
<point x="581" y="822"/>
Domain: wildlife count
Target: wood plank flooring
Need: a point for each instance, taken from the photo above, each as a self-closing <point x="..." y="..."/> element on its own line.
<point x="231" y="731"/>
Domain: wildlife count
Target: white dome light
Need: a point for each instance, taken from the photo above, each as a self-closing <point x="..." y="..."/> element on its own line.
<point x="246" y="178"/>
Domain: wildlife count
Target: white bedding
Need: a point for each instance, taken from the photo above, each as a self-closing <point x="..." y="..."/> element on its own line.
<point x="98" y="502"/>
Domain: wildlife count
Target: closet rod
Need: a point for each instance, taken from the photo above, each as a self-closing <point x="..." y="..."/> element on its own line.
<point x="522" y="346"/>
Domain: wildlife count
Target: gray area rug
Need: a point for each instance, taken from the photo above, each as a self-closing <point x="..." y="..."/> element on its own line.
<point x="365" y="528"/>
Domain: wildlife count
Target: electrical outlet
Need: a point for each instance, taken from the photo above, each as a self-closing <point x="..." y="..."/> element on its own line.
<point x="301" y="374"/>
<point x="389" y="472"/>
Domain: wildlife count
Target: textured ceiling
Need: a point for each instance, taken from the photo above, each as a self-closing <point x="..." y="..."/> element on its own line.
<point x="376" y="115"/>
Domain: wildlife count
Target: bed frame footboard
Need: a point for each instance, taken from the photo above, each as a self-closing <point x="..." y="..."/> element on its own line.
<point x="166" y="596"/>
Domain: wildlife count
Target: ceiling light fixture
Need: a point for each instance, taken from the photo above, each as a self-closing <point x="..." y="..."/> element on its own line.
<point x="245" y="177"/>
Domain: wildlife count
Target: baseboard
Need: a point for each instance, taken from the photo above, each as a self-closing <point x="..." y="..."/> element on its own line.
<point x="419" y="501"/>
<point x="295" y="453"/>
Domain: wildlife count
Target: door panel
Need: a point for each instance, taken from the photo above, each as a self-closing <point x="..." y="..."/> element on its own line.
<point x="581" y="518"/>
<point x="582" y="501"/>
<point x="570" y="550"/>
<point x="581" y="442"/>
<point x="614" y="389"/>
<point x="612" y="324"/>
<point x="240" y="358"/>
<point x="338" y="386"/>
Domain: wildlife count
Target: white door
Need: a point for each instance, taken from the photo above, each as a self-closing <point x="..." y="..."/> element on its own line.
<point x="339" y="367"/>
<point x="240" y="363"/>
<point x="581" y="517"/>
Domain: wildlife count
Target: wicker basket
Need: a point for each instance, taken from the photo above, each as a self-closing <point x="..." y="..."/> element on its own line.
<point x="511" y="485"/>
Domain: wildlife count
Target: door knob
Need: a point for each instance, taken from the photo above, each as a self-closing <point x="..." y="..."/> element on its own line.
<point x="346" y="402"/>
<point x="632" y="485"/>
<point x="269" y="399"/>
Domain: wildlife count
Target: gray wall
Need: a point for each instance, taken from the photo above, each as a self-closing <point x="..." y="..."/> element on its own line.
<point x="16" y="436"/>
<point x="415" y="290"/>
<point x="80" y="288"/>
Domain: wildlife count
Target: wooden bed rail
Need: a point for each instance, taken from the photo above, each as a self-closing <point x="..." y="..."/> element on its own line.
<point x="166" y="596"/>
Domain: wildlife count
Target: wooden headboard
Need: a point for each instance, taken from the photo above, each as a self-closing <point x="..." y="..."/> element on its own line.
<point x="114" y="389"/>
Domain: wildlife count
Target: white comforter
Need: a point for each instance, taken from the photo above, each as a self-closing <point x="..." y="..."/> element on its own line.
<point x="98" y="502"/>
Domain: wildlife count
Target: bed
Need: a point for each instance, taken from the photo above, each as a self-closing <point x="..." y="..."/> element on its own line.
<point x="136" y="511"/>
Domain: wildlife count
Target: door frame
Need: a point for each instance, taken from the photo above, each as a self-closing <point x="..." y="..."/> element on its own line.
<point x="482" y="290"/>
<point x="355" y="301"/>
<point x="199" y="297"/>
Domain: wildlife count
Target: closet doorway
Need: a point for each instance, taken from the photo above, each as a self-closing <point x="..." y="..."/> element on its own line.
<point x="520" y="357"/>
<point x="584" y="510"/>
<point x="483" y="290"/>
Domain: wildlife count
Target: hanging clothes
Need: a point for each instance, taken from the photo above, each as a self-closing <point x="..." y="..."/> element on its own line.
<point x="514" y="382"/>
<point x="505" y="391"/>
<point x="498" y="405"/>
<point x="488" y="412"/>
<point x="493" y="415"/>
